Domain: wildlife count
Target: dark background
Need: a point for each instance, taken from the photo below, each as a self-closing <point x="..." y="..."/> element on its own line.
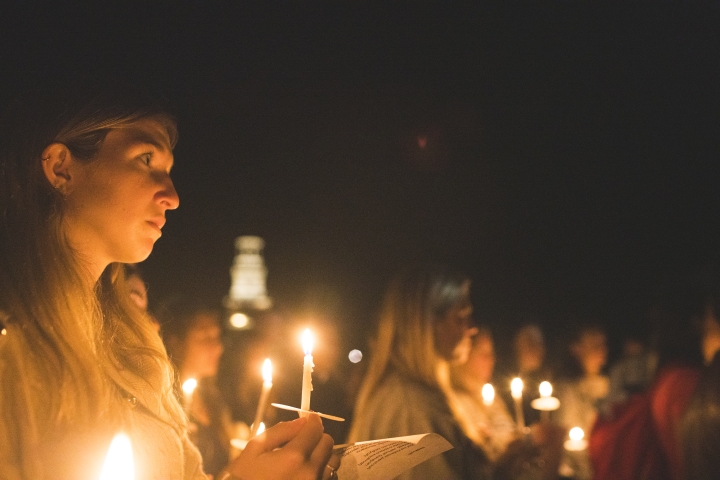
<point x="570" y="159"/>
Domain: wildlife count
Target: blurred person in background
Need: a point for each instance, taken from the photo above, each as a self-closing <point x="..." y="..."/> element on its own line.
<point x="192" y="336"/>
<point x="583" y="389"/>
<point x="138" y="291"/>
<point x="700" y="425"/>
<point x="634" y="371"/>
<point x="530" y="365"/>
<point x="496" y="426"/>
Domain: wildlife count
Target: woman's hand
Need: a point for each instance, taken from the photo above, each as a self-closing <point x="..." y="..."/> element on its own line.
<point x="296" y="450"/>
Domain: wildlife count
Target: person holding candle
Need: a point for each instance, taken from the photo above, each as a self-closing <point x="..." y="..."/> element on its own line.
<point x="425" y="326"/>
<point x="583" y="389"/>
<point x="85" y="188"/>
<point x="530" y="365"/>
<point x="472" y="385"/>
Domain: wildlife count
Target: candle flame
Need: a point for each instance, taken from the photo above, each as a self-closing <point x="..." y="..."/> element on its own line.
<point x="545" y="389"/>
<point x="189" y="386"/>
<point x="119" y="461"/>
<point x="261" y="428"/>
<point x="516" y="387"/>
<point x="488" y="394"/>
<point x="307" y="342"/>
<point x="267" y="371"/>
<point x="576" y="434"/>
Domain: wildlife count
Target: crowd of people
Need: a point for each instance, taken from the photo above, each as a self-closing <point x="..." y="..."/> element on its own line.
<point x="84" y="189"/>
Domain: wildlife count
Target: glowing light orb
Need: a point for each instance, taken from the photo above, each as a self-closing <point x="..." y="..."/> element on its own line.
<point x="239" y="320"/>
<point x="355" y="356"/>
<point x="189" y="386"/>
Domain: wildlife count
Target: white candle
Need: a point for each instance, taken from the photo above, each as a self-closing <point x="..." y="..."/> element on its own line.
<point x="188" y="388"/>
<point x="119" y="461"/>
<point x="264" y="395"/>
<point x="307" y="343"/>
<point x="488" y="394"/>
<point x="546" y="403"/>
<point x="516" y="388"/>
<point x="577" y="440"/>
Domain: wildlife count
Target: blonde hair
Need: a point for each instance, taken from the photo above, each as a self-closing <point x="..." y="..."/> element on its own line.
<point x="77" y="351"/>
<point x="405" y="340"/>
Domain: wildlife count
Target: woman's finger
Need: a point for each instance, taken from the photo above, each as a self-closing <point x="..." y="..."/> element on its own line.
<point x="275" y="436"/>
<point x="308" y="437"/>
<point x="323" y="451"/>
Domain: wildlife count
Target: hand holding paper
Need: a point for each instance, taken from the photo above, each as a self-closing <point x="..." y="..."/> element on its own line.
<point x="387" y="458"/>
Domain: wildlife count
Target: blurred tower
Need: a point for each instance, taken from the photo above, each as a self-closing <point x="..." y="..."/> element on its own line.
<point x="248" y="292"/>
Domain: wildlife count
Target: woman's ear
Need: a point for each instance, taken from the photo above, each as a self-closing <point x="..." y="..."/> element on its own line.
<point x="56" y="160"/>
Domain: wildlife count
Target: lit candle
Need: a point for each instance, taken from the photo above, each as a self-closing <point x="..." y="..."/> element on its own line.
<point x="546" y="403"/>
<point x="264" y="395"/>
<point x="188" y="388"/>
<point x="516" y="388"/>
<point x="261" y="428"/>
<point x="119" y="461"/>
<point x="488" y="394"/>
<point x="307" y="343"/>
<point x="577" y="440"/>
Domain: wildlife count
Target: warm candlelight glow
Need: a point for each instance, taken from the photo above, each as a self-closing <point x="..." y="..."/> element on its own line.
<point x="189" y="386"/>
<point x="545" y="389"/>
<point x="119" y="461"/>
<point x="239" y="320"/>
<point x="577" y="442"/>
<point x="488" y="394"/>
<point x="516" y="388"/>
<point x="267" y="371"/>
<point x="261" y="428"/>
<point x="307" y="342"/>
<point x="264" y="396"/>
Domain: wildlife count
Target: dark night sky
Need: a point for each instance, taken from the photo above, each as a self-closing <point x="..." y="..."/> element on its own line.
<point x="571" y="163"/>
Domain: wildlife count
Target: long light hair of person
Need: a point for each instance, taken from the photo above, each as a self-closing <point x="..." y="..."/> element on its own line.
<point x="405" y="340"/>
<point x="76" y="351"/>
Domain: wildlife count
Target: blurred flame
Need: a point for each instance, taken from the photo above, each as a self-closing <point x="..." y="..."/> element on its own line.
<point x="576" y="434"/>
<point x="307" y="342"/>
<point x="545" y="389"/>
<point x="189" y="386"/>
<point x="516" y="387"/>
<point x="267" y="371"/>
<point x="119" y="461"/>
<point x="488" y="394"/>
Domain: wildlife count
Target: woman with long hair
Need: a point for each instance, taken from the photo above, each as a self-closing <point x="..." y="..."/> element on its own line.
<point x="425" y="325"/>
<point x="84" y="188"/>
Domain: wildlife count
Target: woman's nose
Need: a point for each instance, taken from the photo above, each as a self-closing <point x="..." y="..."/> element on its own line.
<point x="168" y="196"/>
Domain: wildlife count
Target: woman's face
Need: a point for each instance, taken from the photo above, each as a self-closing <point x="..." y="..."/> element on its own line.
<point x="591" y="352"/>
<point x="202" y="347"/>
<point x="453" y="331"/>
<point x="116" y="204"/>
<point x="481" y="361"/>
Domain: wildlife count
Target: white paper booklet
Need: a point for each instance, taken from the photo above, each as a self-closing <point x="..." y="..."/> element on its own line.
<point x="387" y="458"/>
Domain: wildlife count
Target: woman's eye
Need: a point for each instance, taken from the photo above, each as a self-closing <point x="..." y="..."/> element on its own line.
<point x="146" y="158"/>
